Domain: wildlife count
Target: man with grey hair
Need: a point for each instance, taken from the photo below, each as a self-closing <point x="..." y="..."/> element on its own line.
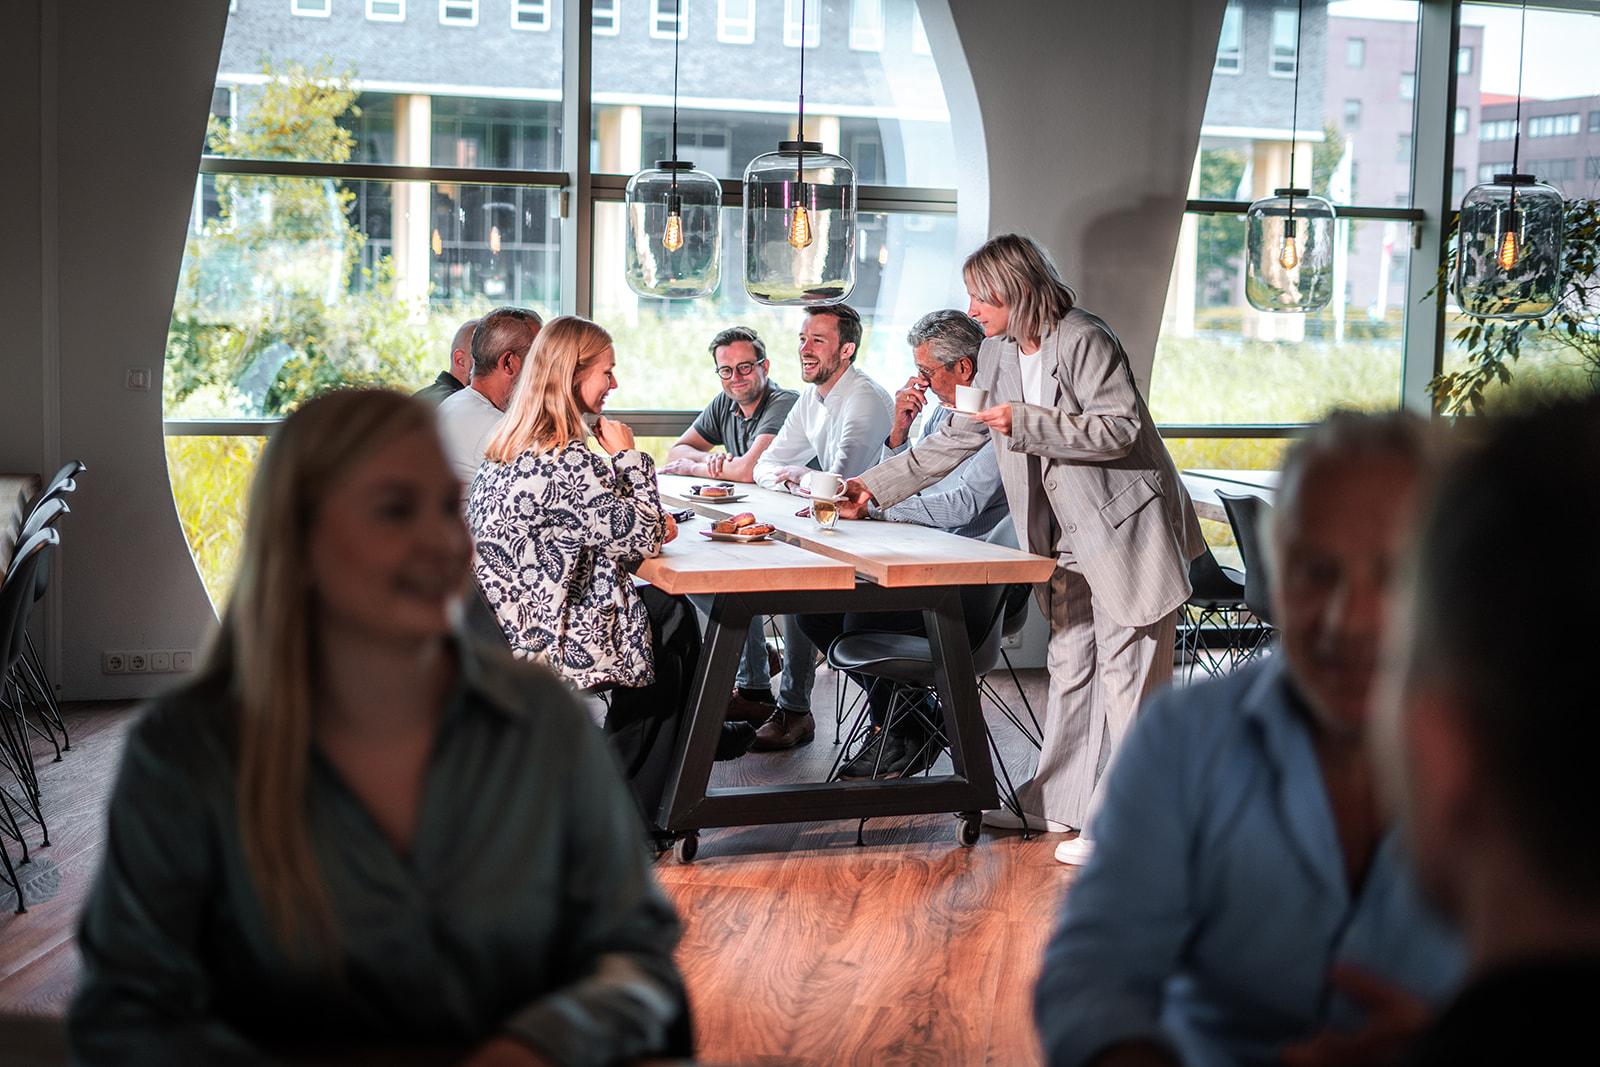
<point x="500" y="345"/>
<point x="452" y="381"/>
<point x="1487" y="735"/>
<point x="1246" y="901"/>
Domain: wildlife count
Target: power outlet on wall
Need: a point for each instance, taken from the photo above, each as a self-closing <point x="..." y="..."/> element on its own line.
<point x="147" y="661"/>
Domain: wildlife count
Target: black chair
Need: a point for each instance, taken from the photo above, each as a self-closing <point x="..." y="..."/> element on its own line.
<point x="1247" y="514"/>
<point x="1215" y="607"/>
<point x="906" y="662"/>
<point x="29" y="672"/>
<point x="16" y="752"/>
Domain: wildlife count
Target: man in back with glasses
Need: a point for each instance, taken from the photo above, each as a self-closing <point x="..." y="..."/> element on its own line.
<point x="742" y="420"/>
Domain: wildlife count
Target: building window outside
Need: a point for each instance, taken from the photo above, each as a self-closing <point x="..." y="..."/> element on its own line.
<point x="1355" y="52"/>
<point x="530" y="14"/>
<point x="1464" y="60"/>
<point x="1461" y="121"/>
<point x="458" y="12"/>
<point x="1408" y="86"/>
<point x="1594" y="122"/>
<point x="1591" y="168"/>
<point x="669" y="19"/>
<point x="1230" y="45"/>
<point x="1352" y="114"/>
<point x="792" y="10"/>
<point x="1285" y="27"/>
<point x="919" y="34"/>
<point x="1554" y="125"/>
<point x="1554" y="170"/>
<point x="866" y="25"/>
<point x="1498" y="130"/>
<point x="311" y="9"/>
<point x="386" y="10"/>
<point x="736" y="21"/>
<point x="1487" y="171"/>
<point x="1458" y="184"/>
<point x="1403" y="151"/>
<point x="607" y="17"/>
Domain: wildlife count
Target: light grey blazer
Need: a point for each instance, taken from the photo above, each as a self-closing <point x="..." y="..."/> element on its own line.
<point x="1123" y="511"/>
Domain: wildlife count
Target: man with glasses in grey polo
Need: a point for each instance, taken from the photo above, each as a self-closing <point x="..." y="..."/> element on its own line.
<point x="742" y="419"/>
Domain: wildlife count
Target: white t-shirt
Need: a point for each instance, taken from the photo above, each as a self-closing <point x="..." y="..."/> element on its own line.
<point x="1032" y="377"/>
<point x="466" y="422"/>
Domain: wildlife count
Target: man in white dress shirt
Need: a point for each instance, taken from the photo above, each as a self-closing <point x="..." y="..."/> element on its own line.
<point x="837" y="425"/>
<point x="500" y="345"/>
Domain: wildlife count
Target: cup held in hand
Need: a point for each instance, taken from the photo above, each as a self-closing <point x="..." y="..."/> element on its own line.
<point x="971" y="399"/>
<point x="823" y="485"/>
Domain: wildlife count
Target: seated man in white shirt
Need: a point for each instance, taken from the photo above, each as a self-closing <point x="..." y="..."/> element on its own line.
<point x="500" y="344"/>
<point x="838" y="425"/>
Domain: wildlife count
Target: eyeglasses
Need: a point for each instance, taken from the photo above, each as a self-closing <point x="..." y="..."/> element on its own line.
<point x="741" y="369"/>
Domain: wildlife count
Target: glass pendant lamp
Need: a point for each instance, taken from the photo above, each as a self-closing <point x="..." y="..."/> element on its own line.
<point x="800" y="218"/>
<point x="674" y="221"/>
<point x="1508" y="261"/>
<point x="1289" y="235"/>
<point x="1289" y="241"/>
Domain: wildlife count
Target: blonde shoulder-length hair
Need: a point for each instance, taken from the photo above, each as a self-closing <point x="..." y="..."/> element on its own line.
<point x="266" y="648"/>
<point x="544" y="414"/>
<point x="1013" y="272"/>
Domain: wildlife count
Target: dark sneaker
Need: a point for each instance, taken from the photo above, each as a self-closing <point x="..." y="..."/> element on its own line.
<point x="879" y="753"/>
<point x="917" y="753"/>
<point x="736" y="739"/>
<point x="786" y="729"/>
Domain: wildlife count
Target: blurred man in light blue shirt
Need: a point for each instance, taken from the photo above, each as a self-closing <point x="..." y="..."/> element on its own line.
<point x="1246" y="902"/>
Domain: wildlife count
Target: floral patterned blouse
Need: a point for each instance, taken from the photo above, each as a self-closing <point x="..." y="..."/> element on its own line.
<point x="557" y="535"/>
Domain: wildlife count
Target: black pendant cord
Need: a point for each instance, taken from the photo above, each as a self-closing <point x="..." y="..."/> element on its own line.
<point x="677" y="36"/>
<point x="800" y="121"/>
<point x="1294" y="109"/>
<point x="1516" y="137"/>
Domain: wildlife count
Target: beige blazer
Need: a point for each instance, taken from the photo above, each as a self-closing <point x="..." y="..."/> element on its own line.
<point x="1121" y="507"/>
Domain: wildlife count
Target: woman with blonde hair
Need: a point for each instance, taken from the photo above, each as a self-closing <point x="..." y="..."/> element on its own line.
<point x="559" y="529"/>
<point x="356" y="828"/>
<point x="1090" y="484"/>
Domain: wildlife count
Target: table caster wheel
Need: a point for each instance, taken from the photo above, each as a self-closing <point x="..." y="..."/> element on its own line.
<point x="968" y="825"/>
<point x="686" y="848"/>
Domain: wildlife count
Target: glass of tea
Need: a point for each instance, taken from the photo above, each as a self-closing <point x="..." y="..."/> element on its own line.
<point x="825" y="513"/>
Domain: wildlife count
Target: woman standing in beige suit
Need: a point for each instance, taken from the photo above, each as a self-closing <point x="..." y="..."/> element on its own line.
<point x="1089" y="483"/>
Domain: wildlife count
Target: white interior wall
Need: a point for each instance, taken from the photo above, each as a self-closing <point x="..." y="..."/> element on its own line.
<point x="1087" y="114"/>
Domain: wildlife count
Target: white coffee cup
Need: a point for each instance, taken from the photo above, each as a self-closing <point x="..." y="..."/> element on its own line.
<point x="824" y="485"/>
<point x="971" y="399"/>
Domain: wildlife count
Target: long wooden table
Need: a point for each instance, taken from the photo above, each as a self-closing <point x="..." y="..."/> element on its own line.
<point x="857" y="566"/>
<point x="1204" y="485"/>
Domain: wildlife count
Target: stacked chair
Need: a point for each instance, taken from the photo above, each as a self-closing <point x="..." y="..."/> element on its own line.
<point x="1247" y="515"/>
<point x="29" y="712"/>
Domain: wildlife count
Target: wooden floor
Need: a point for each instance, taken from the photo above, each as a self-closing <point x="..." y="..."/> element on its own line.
<point x="800" y="947"/>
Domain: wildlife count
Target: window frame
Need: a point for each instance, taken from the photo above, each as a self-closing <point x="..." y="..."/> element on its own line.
<point x="398" y="16"/>
<point x="736" y="29"/>
<point x="1290" y="17"/>
<point x="791" y="23"/>
<point x="519" y="7"/>
<point x="1236" y="52"/>
<point x="679" y="19"/>
<point x="867" y="38"/>
<point x="1464" y="52"/>
<point x="301" y="9"/>
<point x="1359" y="44"/>
<point x="461" y="21"/>
<point x="612" y="15"/>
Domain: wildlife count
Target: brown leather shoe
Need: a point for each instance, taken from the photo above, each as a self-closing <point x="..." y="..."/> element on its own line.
<point x="742" y="709"/>
<point x="786" y="729"/>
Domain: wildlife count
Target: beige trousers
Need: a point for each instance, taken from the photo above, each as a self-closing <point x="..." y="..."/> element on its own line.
<point x="1100" y="672"/>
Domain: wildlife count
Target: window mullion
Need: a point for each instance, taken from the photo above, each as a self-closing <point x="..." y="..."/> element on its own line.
<point x="577" y="214"/>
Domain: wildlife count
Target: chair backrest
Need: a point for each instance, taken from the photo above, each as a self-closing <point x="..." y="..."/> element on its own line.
<point x="1209" y="583"/>
<point x="1017" y="599"/>
<point x="44" y="515"/>
<point x="1246" y="514"/>
<point x="16" y="596"/>
<point x="983" y="608"/>
<point x="67" y="473"/>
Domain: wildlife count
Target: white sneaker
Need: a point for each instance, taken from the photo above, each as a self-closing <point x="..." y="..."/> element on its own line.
<point x="1075" y="853"/>
<point x="1006" y="819"/>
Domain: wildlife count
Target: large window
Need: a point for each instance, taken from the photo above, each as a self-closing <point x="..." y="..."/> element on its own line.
<point x="370" y="183"/>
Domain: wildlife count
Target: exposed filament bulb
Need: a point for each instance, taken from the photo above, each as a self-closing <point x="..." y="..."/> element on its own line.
<point x="799" y="227"/>
<point x="1509" y="252"/>
<point x="1289" y="255"/>
<point x="672" y="236"/>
